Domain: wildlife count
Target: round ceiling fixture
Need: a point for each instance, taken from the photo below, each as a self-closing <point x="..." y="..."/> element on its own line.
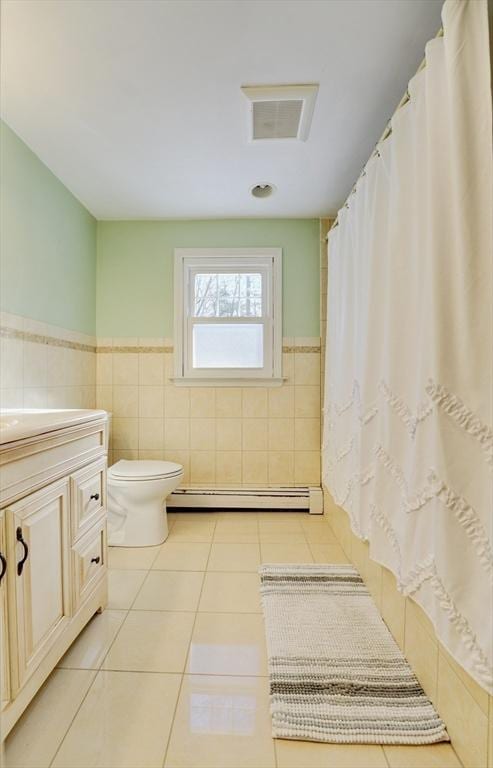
<point x="262" y="190"/>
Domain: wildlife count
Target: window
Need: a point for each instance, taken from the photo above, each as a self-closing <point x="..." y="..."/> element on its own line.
<point x="228" y="315"/>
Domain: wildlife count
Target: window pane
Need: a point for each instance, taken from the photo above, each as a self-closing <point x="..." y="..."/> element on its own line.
<point x="228" y="294"/>
<point x="228" y="346"/>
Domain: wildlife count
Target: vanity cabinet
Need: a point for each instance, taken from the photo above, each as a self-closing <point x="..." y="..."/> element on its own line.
<point x="53" y="542"/>
<point x="4" y="645"/>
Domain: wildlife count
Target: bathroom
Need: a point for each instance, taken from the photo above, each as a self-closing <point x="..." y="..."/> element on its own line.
<point x="246" y="384"/>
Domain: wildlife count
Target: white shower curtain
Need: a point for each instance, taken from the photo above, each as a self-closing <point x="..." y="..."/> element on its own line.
<point x="408" y="446"/>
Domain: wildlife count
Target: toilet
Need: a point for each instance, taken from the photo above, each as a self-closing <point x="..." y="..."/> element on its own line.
<point x="137" y="492"/>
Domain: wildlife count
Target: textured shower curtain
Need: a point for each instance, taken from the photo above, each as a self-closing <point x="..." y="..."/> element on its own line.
<point x="408" y="443"/>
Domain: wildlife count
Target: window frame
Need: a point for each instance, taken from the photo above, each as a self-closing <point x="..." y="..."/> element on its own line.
<point x="190" y="261"/>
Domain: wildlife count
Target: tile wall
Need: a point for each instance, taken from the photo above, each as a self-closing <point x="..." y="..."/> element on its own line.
<point x="44" y="366"/>
<point x="228" y="436"/>
<point x="465" y="707"/>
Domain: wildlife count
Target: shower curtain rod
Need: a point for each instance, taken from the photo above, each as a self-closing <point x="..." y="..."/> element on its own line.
<point x="385" y="135"/>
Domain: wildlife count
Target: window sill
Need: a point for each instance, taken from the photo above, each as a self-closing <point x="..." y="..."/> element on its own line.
<point x="182" y="381"/>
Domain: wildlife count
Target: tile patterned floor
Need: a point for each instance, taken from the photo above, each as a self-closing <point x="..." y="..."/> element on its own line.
<point x="174" y="673"/>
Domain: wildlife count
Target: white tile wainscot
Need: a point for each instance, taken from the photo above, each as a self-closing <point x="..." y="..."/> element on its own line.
<point x="224" y="436"/>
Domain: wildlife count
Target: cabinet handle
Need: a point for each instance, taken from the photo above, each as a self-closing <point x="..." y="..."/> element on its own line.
<point x="4" y="566"/>
<point x="94" y="496"/>
<point x="95" y="559"/>
<point x="20" y="564"/>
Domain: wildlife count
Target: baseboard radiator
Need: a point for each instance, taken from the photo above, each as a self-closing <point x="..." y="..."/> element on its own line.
<point x="309" y="498"/>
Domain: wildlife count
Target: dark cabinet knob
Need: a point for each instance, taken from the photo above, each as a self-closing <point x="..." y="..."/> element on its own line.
<point x="94" y="496"/>
<point x="20" y="539"/>
<point x="95" y="559"/>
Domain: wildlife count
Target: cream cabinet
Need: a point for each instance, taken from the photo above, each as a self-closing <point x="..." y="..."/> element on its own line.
<point x="4" y="645"/>
<point x="53" y="545"/>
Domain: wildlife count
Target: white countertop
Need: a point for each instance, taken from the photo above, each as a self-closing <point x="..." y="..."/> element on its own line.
<point x="19" y="423"/>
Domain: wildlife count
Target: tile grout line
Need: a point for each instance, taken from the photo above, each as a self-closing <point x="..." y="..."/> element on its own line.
<point x="96" y="673"/>
<point x="100" y="667"/>
<point x="385" y="756"/>
<point x="387" y="761"/>
<point x="187" y="656"/>
<point x="97" y="670"/>
<point x="267" y="677"/>
<point x="149" y="570"/>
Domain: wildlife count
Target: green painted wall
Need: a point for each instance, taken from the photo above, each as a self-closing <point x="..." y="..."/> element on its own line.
<point x="58" y="265"/>
<point x="135" y="269"/>
<point x="47" y="243"/>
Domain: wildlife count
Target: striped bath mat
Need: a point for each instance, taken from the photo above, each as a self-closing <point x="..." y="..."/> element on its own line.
<point x="336" y="673"/>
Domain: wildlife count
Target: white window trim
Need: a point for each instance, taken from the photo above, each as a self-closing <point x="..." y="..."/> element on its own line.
<point x="184" y="258"/>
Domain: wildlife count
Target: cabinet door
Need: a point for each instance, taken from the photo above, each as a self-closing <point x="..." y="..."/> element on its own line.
<point x="39" y="576"/>
<point x="4" y="643"/>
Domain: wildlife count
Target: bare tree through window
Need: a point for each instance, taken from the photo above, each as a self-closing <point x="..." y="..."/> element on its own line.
<point x="228" y="294"/>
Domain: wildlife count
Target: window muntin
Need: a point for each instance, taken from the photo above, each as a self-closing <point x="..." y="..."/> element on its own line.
<point x="228" y="314"/>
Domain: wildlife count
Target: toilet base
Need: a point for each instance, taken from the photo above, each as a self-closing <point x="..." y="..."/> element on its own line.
<point x="147" y="527"/>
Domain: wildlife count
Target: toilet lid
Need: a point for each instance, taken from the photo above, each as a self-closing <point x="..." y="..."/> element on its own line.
<point x="144" y="470"/>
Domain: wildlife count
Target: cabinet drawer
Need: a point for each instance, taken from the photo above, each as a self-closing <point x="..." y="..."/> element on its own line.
<point x="88" y="497"/>
<point x="89" y="562"/>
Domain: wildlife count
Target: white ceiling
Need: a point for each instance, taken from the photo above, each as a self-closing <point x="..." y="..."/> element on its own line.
<point x="136" y="105"/>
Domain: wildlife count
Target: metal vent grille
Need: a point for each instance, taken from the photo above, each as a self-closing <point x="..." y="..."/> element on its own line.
<point x="277" y="119"/>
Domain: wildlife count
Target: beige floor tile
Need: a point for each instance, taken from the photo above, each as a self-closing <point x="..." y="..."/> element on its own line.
<point x="124" y="722"/>
<point x="307" y="754"/>
<point x="152" y="641"/>
<point x="234" y="557"/>
<point x="228" y="644"/>
<point x="190" y="530"/>
<point x="170" y="591"/>
<point x="91" y="646"/>
<point x="37" y="735"/>
<point x="123" y="587"/>
<point x="241" y="525"/>
<point x="192" y="517"/>
<point x="131" y="558"/>
<point x="328" y="553"/>
<point x="221" y="722"/>
<point x="236" y="537"/>
<point x="237" y="515"/>
<point x="286" y="553"/>
<point x="269" y="516"/>
<point x="282" y="537"/>
<point x="182" y="556"/>
<point x="433" y="756"/>
<point x="315" y="521"/>
<point x="320" y="533"/>
<point x="284" y="525"/>
<point x="230" y="592"/>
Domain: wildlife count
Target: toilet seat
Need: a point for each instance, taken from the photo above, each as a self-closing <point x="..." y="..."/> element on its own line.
<point x="139" y="469"/>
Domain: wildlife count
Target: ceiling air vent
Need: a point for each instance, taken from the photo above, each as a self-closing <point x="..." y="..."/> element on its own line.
<point x="280" y="111"/>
